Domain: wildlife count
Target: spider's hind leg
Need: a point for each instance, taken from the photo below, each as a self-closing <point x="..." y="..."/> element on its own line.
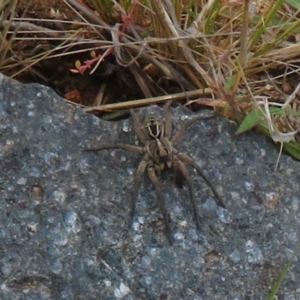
<point x="154" y="179"/>
<point x="180" y="166"/>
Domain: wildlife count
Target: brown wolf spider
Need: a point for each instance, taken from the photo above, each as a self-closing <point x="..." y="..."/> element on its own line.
<point x="159" y="154"/>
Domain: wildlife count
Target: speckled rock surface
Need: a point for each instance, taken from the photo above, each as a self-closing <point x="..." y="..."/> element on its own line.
<point x="64" y="212"/>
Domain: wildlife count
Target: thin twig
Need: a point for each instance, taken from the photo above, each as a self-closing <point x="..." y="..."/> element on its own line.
<point x="149" y="101"/>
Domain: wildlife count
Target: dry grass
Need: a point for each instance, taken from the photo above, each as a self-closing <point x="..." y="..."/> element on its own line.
<point x="238" y="57"/>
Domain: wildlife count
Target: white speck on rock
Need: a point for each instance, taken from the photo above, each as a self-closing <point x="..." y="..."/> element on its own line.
<point x="179" y="236"/>
<point x="6" y="269"/>
<point x="289" y="253"/>
<point x="126" y="126"/>
<point x="32" y="227"/>
<point x="183" y="223"/>
<point x="60" y="240"/>
<point x="263" y="152"/>
<point x="31" y="113"/>
<point x="235" y="256"/>
<point x="122" y="291"/>
<point x="148" y="280"/>
<point x="295" y="203"/>
<point x="22" y="181"/>
<point x="141" y="220"/>
<point x="59" y="196"/>
<point x="130" y="171"/>
<point x="185" y="117"/>
<point x="153" y="251"/>
<point x="239" y="161"/>
<point x="48" y="119"/>
<point x="146" y="261"/>
<point x="249" y="186"/>
<point x="254" y="254"/>
<point x="4" y="287"/>
<point x="224" y="215"/>
<point x="72" y="222"/>
<point x="107" y="283"/>
<point x="9" y="142"/>
<point x="210" y="204"/>
<point x="136" y="226"/>
<point x="235" y="196"/>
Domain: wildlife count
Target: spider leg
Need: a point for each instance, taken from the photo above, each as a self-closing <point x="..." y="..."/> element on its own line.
<point x="167" y="119"/>
<point x="179" y="135"/>
<point x="127" y="147"/>
<point x="137" y="182"/>
<point x="138" y="127"/>
<point x="185" y="158"/>
<point x="184" y="171"/>
<point x="154" y="179"/>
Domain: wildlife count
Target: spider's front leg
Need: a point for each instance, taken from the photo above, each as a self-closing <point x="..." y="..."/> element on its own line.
<point x="167" y="119"/>
<point x="180" y="133"/>
<point x="137" y="182"/>
<point x="138" y="128"/>
<point x="185" y="158"/>
<point x="154" y="179"/>
<point x="127" y="147"/>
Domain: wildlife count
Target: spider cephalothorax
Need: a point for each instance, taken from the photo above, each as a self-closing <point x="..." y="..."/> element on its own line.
<point x="159" y="153"/>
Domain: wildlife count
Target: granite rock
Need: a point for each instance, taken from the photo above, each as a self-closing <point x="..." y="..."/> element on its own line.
<point x="64" y="212"/>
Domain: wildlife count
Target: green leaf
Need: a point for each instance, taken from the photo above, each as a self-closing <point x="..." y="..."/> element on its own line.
<point x="255" y="116"/>
<point x="229" y="83"/>
<point x="293" y="148"/>
<point x="294" y="3"/>
<point x="250" y="121"/>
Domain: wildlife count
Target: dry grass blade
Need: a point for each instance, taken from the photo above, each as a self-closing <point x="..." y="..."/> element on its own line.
<point x="146" y="102"/>
<point x="5" y="11"/>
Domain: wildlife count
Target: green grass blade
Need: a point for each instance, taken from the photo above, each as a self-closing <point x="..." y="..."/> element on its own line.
<point x="293" y="148"/>
<point x="250" y="121"/>
<point x="254" y="117"/>
<point x="264" y="23"/>
<point x="293" y="3"/>
<point x="283" y="274"/>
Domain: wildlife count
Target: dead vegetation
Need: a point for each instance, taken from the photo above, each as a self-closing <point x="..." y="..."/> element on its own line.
<point x="240" y="58"/>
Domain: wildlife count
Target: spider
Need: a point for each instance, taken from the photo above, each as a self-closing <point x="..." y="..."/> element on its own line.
<point x="159" y="154"/>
